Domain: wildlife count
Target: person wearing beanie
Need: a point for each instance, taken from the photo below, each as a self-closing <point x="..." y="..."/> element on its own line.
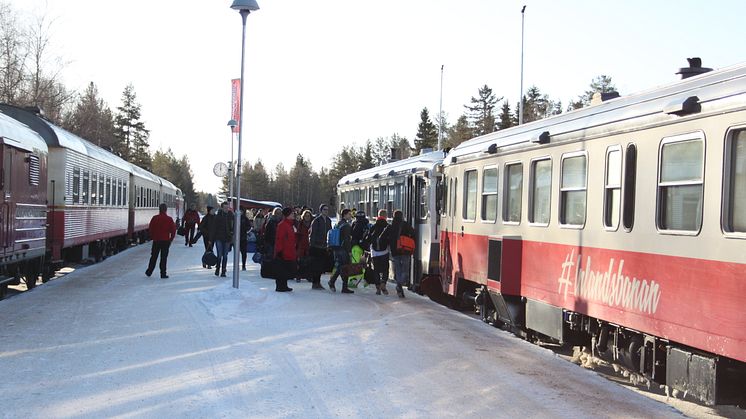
<point x="320" y="226"/>
<point x="284" y="251"/>
<point x="162" y="231"/>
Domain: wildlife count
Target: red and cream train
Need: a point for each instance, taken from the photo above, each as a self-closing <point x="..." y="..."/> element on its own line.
<point x="65" y="198"/>
<point x="620" y="227"/>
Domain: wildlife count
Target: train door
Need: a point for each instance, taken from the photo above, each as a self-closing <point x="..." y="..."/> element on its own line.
<point x="449" y="240"/>
<point x="6" y="219"/>
<point x="422" y="228"/>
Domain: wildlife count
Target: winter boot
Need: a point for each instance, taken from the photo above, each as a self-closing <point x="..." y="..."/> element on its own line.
<point x="217" y="271"/>
<point x="345" y="287"/>
<point x="331" y="285"/>
<point x="400" y="291"/>
<point x="378" y="289"/>
<point x="384" y="290"/>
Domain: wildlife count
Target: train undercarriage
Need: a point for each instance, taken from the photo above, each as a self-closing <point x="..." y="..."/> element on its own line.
<point x="642" y="358"/>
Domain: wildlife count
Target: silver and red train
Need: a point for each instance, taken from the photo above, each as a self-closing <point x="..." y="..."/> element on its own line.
<point x="65" y="198"/>
<point x="620" y="227"/>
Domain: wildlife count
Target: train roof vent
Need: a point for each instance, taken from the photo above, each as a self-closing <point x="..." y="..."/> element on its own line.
<point x="600" y="97"/>
<point x="695" y="68"/>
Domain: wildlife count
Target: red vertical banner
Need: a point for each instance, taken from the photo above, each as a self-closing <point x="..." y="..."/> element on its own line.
<point x="236" y="103"/>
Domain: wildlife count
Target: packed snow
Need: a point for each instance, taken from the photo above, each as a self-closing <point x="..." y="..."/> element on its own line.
<point x="106" y="341"/>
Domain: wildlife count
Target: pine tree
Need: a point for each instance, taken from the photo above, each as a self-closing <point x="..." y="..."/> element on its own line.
<point x="600" y="84"/>
<point x="460" y="132"/>
<point x="427" y="134"/>
<point x="506" y="117"/>
<point x="130" y="132"/>
<point x="481" y="112"/>
<point x="366" y="157"/>
<point x="91" y="119"/>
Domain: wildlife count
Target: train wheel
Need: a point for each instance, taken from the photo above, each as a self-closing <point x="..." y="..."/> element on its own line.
<point x="31" y="275"/>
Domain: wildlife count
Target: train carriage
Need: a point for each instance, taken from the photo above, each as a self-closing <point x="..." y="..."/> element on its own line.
<point x="410" y="185"/>
<point x="87" y="192"/>
<point x="619" y="226"/>
<point x="23" y="167"/>
<point x="147" y="193"/>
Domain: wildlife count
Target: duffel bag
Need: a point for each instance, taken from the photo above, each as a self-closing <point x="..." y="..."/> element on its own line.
<point x="209" y="258"/>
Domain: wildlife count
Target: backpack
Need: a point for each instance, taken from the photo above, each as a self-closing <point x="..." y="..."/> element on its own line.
<point x="405" y="244"/>
<point x="374" y="238"/>
<point x="334" y="237"/>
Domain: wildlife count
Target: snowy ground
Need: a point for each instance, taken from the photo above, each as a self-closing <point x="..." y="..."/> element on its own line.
<point x="107" y="341"/>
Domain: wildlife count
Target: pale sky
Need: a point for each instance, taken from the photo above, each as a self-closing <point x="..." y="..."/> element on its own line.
<point x="322" y="74"/>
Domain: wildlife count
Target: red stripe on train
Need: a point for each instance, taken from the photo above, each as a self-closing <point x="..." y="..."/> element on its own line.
<point x="696" y="302"/>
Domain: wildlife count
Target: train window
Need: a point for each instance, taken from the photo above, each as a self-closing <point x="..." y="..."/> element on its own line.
<point x="513" y="195"/>
<point x="735" y="178"/>
<point x="108" y="190"/>
<point x="86" y="187"/>
<point x="100" y="188"/>
<point x="76" y="186"/>
<point x="541" y="194"/>
<point x="680" y="183"/>
<point x="390" y="202"/>
<point x="376" y="193"/>
<point x="94" y="188"/>
<point x="489" y="194"/>
<point x="613" y="187"/>
<point x="630" y="179"/>
<point x="454" y="197"/>
<point x="422" y="197"/>
<point x="469" y="212"/>
<point x="124" y="192"/>
<point x="119" y="191"/>
<point x="33" y="170"/>
<point x="573" y="192"/>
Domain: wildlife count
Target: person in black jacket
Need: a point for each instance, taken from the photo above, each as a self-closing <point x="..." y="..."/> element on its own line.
<point x="342" y="252"/>
<point x="244" y="238"/>
<point x="221" y="233"/>
<point x="400" y="260"/>
<point x="379" y="252"/>
<point x="204" y="231"/>
<point x="270" y="232"/>
<point x="360" y="227"/>
<point x="317" y="250"/>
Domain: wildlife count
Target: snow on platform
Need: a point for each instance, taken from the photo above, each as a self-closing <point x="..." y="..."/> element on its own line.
<point x="106" y="341"/>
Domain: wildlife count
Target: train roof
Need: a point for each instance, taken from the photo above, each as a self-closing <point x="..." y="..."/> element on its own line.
<point x="55" y="136"/>
<point x="659" y="104"/>
<point x="19" y="135"/>
<point x="424" y="161"/>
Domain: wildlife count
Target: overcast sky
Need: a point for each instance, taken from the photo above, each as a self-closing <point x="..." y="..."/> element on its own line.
<point x="322" y="74"/>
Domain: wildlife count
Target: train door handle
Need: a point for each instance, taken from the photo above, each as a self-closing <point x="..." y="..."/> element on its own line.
<point x="462" y="231"/>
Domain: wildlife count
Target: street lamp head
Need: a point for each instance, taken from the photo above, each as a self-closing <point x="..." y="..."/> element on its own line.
<point x="245" y="5"/>
<point x="232" y="123"/>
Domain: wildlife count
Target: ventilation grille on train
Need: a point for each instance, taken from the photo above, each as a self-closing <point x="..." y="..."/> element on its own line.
<point x="33" y="170"/>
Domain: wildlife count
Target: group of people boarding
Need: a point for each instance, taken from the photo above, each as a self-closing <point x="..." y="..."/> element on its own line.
<point x="311" y="246"/>
<point x="294" y="244"/>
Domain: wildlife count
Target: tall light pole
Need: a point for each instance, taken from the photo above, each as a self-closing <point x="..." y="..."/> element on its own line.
<point x="244" y="7"/>
<point x="440" y="115"/>
<point x="520" y="100"/>
<point x="231" y="124"/>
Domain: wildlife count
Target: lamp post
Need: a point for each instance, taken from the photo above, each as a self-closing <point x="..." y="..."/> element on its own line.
<point x="520" y="101"/>
<point x="244" y="7"/>
<point x="231" y="124"/>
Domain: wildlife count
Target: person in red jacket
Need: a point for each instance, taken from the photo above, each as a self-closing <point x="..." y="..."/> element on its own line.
<point x="191" y="220"/>
<point x="285" y="254"/>
<point x="162" y="232"/>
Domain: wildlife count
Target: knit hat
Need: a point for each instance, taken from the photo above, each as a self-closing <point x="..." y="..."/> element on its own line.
<point x="360" y="214"/>
<point x="286" y="211"/>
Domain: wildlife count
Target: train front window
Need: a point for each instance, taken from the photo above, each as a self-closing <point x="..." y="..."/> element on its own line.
<point x="470" y="195"/>
<point x="680" y="191"/>
<point x="489" y="194"/>
<point x="736" y="198"/>
<point x="613" y="187"/>
<point x="513" y="193"/>
<point x="541" y="190"/>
